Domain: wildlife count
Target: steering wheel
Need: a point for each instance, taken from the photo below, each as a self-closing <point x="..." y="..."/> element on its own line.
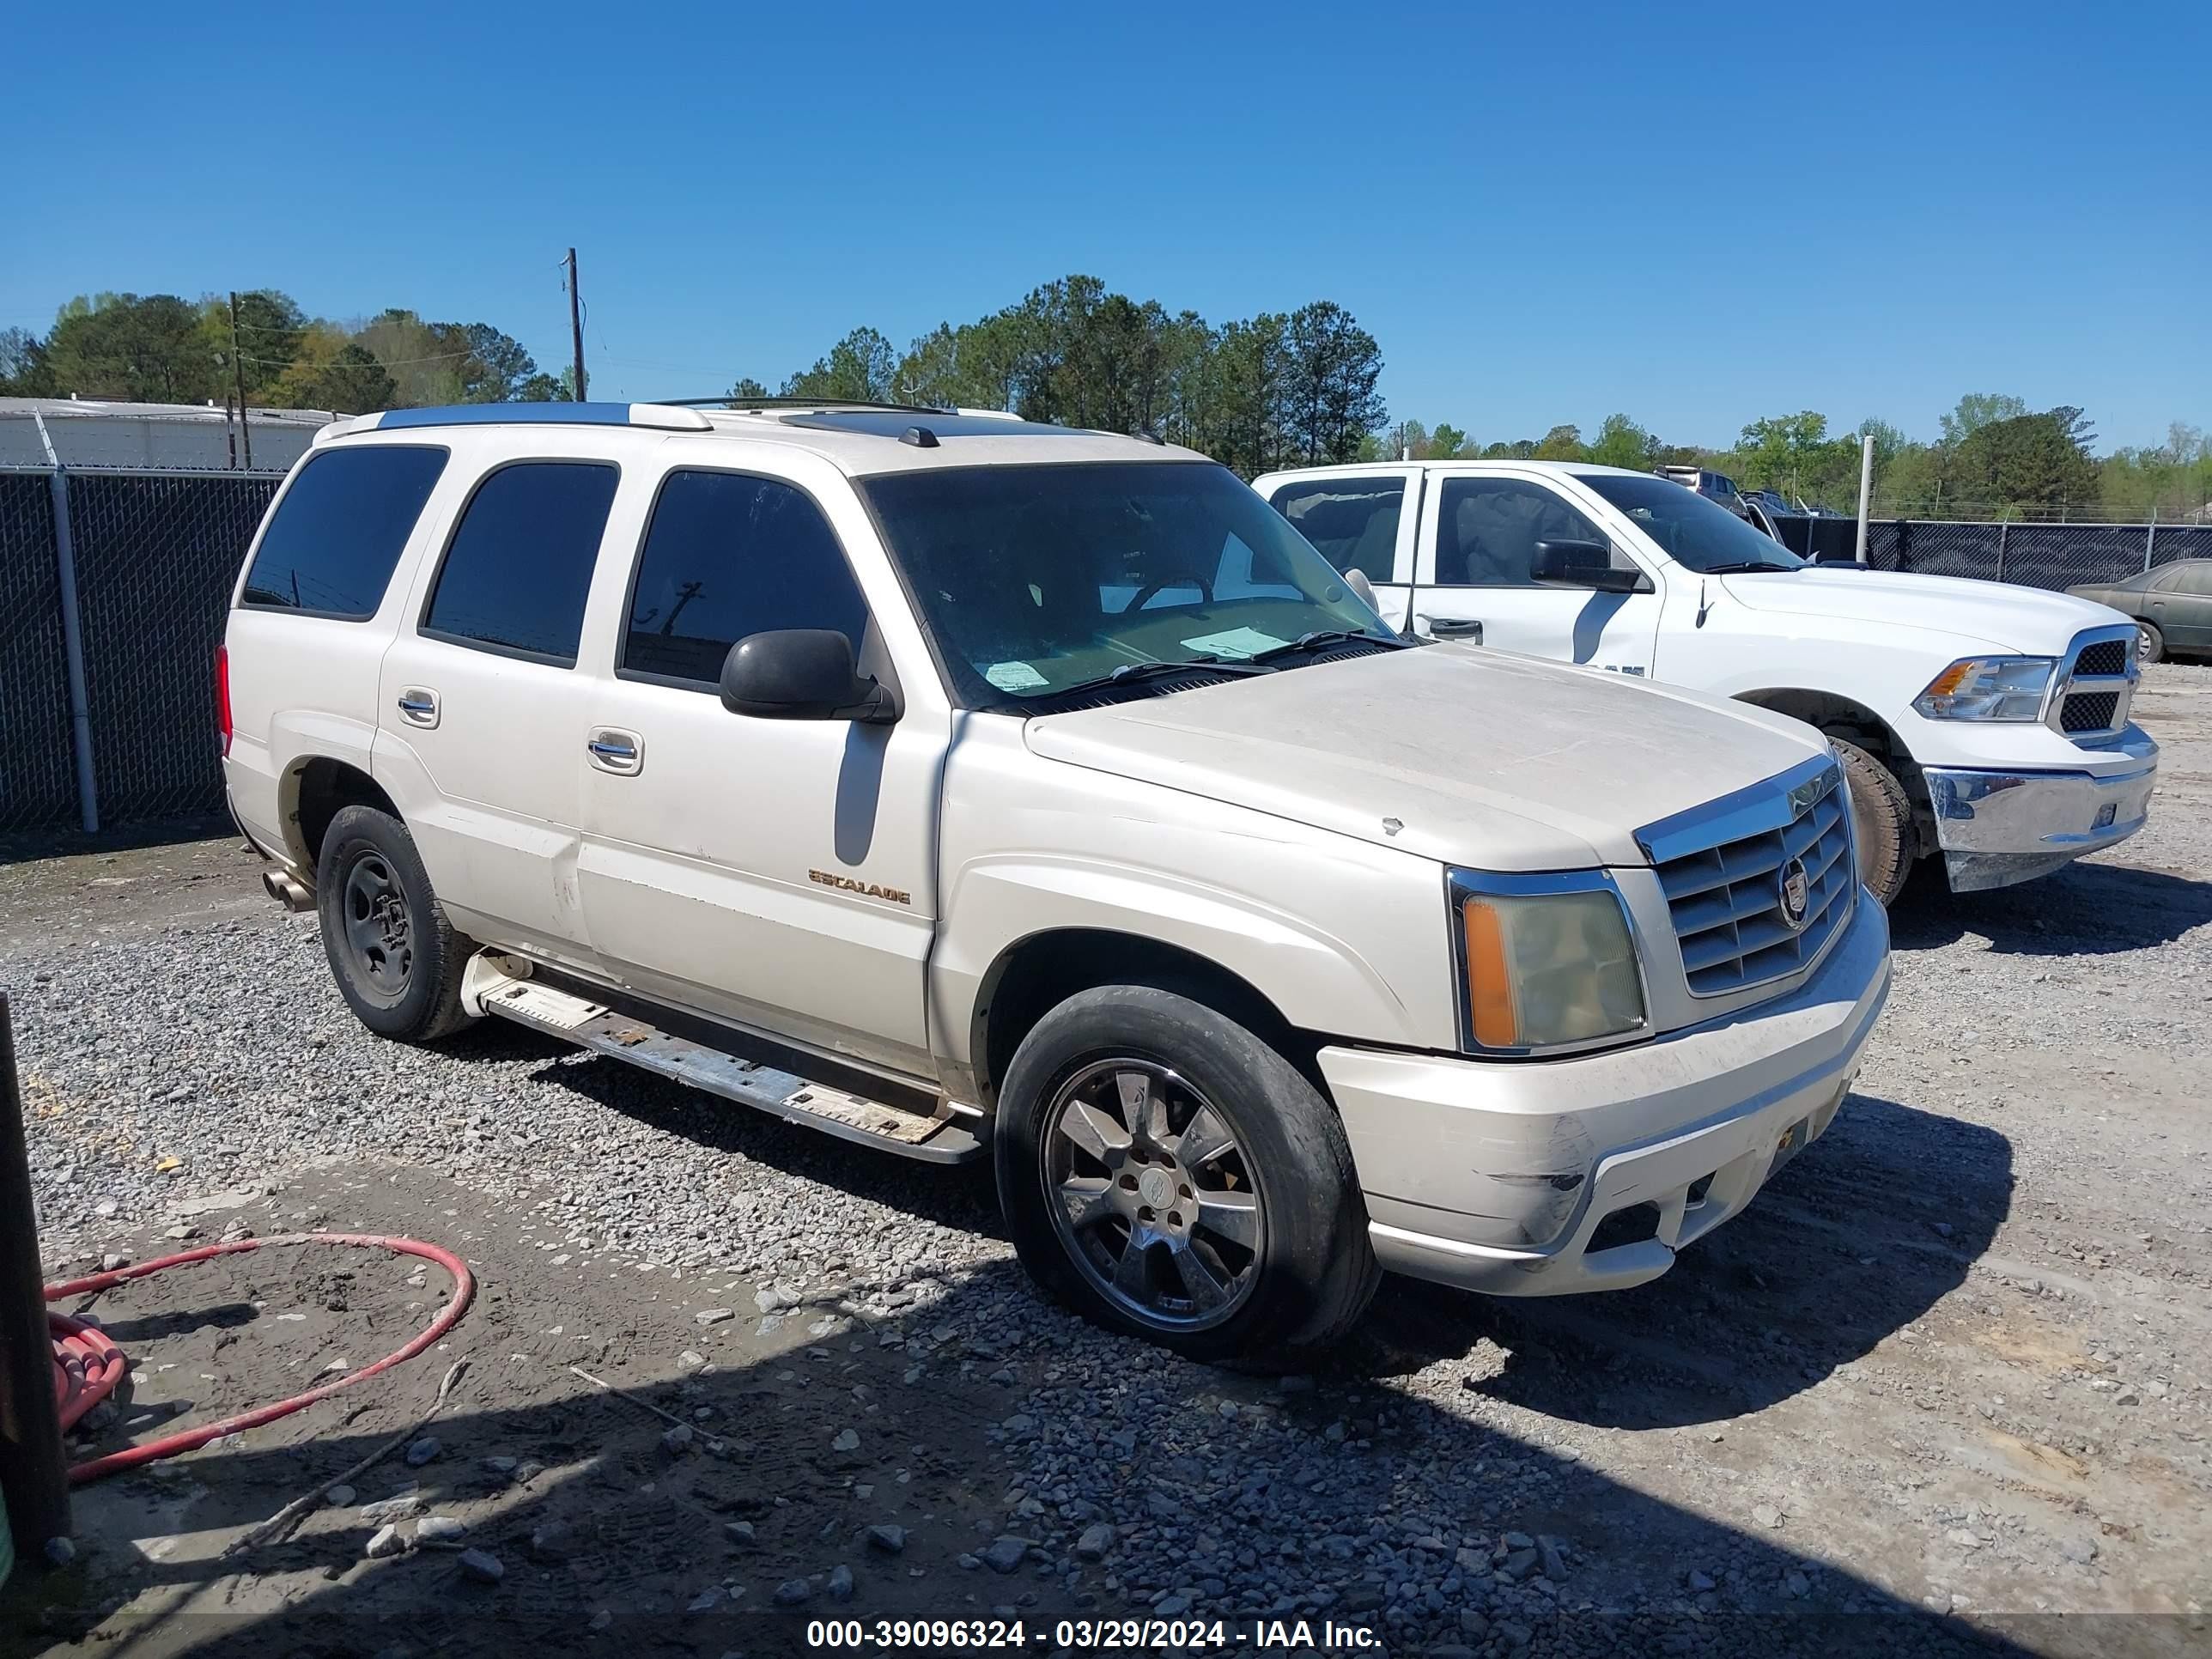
<point x="1153" y="587"/>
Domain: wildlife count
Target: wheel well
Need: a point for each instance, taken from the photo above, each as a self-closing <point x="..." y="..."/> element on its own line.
<point x="1839" y="717"/>
<point x="1039" y="973"/>
<point x="321" y="788"/>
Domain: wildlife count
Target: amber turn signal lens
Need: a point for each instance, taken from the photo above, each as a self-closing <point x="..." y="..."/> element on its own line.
<point x="1489" y="980"/>
<point x="1950" y="680"/>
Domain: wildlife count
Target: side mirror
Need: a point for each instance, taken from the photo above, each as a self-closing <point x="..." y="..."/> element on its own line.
<point x="1582" y="564"/>
<point x="1356" y="579"/>
<point x="802" y="674"/>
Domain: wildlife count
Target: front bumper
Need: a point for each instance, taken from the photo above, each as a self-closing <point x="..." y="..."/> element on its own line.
<point x="1999" y="827"/>
<point x="1505" y="1177"/>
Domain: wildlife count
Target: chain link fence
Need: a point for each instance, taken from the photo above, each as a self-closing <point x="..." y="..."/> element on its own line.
<point x="2054" y="555"/>
<point x="154" y="554"/>
<point x="38" y="775"/>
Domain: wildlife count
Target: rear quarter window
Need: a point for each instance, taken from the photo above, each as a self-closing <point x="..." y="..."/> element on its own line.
<point x="339" y="530"/>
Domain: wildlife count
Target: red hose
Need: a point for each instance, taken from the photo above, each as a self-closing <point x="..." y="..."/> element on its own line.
<point x="87" y="1366"/>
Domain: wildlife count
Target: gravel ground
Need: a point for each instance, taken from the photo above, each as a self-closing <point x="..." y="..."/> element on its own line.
<point x="1951" y="1373"/>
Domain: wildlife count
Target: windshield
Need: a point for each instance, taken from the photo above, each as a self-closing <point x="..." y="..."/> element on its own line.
<point x="1034" y="579"/>
<point x="1689" y="529"/>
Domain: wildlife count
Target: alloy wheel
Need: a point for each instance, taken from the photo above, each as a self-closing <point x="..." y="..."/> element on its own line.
<point x="1153" y="1194"/>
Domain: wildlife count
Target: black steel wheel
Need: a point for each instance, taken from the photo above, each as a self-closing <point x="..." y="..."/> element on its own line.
<point x="397" y="961"/>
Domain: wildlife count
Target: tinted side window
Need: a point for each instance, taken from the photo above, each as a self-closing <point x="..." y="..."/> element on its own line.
<point x="1353" y="522"/>
<point x="1488" y="529"/>
<point x="2196" y="578"/>
<point x="340" y="529"/>
<point x="725" y="556"/>
<point x="521" y="563"/>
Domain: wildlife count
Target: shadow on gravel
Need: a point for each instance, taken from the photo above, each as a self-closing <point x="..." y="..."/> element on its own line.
<point x="1858" y="1236"/>
<point x="2085" y="909"/>
<point x="962" y="1196"/>
<point x="979" y="1419"/>
<point x="25" y="847"/>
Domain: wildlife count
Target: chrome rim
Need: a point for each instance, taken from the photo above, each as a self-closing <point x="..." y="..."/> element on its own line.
<point x="2143" y="638"/>
<point x="379" y="933"/>
<point x="1153" y="1194"/>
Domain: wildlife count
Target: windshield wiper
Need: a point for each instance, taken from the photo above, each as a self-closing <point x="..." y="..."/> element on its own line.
<point x="1133" y="673"/>
<point x="1745" y="567"/>
<point x="1323" y="636"/>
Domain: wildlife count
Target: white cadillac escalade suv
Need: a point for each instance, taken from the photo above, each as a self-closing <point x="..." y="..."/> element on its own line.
<point x="967" y="787"/>
<point x="1980" y="720"/>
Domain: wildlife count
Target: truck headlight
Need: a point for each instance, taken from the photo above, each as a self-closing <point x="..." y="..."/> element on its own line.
<point x="1988" y="689"/>
<point x="1546" y="962"/>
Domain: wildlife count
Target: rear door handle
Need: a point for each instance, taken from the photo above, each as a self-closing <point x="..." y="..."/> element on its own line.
<point x="1455" y="627"/>
<point x="612" y="750"/>
<point x="418" y="706"/>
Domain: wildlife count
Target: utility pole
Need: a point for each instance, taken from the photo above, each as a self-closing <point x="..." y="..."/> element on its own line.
<point x="576" y="323"/>
<point x="1866" y="491"/>
<point x="238" y="374"/>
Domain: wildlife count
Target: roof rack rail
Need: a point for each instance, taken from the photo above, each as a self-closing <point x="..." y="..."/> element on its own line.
<point x="801" y="403"/>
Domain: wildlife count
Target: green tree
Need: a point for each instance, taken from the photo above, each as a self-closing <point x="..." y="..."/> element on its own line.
<point x="1621" y="442"/>
<point x="1561" y="443"/>
<point x="1334" y="366"/>
<point x="2038" y="463"/>
<point x="1976" y="410"/>
<point x="497" y="366"/>
<point x="1253" y="364"/>
<point x="1445" y="441"/>
<point x="148" y="350"/>
<point x="859" y="369"/>
<point x="23" y="372"/>
<point x="746" y="390"/>
<point x="351" y="382"/>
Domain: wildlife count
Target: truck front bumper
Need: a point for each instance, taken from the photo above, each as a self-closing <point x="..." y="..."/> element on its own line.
<point x="1998" y="827"/>
<point x="1544" y="1177"/>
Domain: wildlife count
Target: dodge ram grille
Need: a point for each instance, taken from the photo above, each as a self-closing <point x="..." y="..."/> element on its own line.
<point x="2096" y="684"/>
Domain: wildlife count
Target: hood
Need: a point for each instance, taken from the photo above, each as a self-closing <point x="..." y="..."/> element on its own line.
<point x="2024" y="620"/>
<point x="1478" y="757"/>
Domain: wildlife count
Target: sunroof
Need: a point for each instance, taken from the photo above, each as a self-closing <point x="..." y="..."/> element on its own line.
<point x="894" y="423"/>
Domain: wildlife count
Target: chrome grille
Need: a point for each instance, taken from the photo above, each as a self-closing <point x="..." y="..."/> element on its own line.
<point x="2095" y="684"/>
<point x="2102" y="657"/>
<point x="2088" y="711"/>
<point x="1728" y="900"/>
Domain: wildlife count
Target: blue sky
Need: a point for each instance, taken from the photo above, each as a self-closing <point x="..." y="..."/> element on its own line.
<point x="1694" y="214"/>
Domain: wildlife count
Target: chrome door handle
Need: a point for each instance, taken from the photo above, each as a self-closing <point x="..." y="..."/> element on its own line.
<point x="1455" y="627"/>
<point x="612" y="750"/>
<point x="418" y="706"/>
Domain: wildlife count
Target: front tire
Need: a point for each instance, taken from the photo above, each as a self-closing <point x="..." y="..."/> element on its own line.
<point x="397" y="961"/>
<point x="2150" y="643"/>
<point x="1881" y="822"/>
<point x="1168" y="1174"/>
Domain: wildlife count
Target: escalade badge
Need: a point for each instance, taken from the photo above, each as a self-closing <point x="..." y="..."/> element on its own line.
<point x="866" y="889"/>
<point x="1796" y="894"/>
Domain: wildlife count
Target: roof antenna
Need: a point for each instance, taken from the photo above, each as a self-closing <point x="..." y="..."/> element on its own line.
<point x="920" y="437"/>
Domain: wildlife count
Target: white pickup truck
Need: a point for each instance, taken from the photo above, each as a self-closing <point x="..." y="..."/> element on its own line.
<point x="963" y="788"/>
<point x="1983" y="722"/>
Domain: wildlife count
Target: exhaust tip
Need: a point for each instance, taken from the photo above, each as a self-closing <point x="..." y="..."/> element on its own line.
<point x="286" y="890"/>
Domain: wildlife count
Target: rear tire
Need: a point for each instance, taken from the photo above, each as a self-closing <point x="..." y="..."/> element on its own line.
<point x="1881" y="822"/>
<point x="1168" y="1174"/>
<point x="2150" y="643"/>
<point x="397" y="961"/>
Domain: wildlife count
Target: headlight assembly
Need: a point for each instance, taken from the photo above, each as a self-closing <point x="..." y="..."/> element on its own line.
<point x="1988" y="689"/>
<point x="1546" y="963"/>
